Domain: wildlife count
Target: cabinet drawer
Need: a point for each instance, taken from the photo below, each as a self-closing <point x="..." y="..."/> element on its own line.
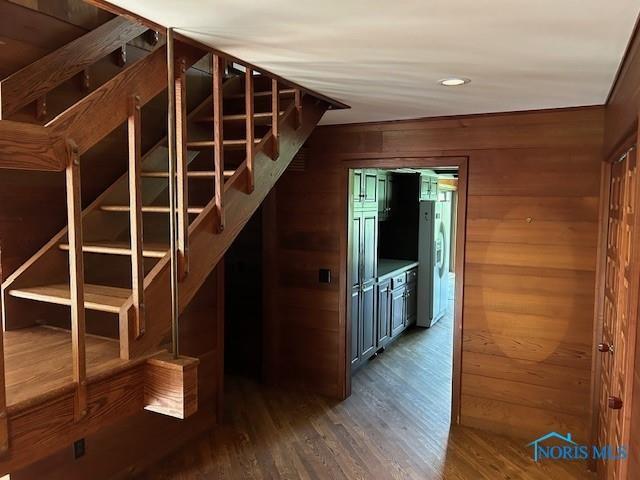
<point x="412" y="275"/>
<point x="399" y="280"/>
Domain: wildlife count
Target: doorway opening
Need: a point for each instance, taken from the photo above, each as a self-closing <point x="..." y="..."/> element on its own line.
<point x="243" y="330"/>
<point x="405" y="237"/>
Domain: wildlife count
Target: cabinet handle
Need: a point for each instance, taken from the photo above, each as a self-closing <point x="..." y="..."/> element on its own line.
<point x="614" y="403"/>
<point x="605" y="347"/>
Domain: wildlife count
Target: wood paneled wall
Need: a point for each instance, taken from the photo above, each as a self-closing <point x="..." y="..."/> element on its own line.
<point x="532" y="218"/>
<point x="127" y="447"/>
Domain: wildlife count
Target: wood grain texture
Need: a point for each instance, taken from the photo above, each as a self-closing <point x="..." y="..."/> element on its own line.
<point x="623" y="104"/>
<point x="621" y="131"/>
<point x="530" y="248"/>
<point x="29" y="35"/>
<point x="171" y="385"/>
<point x="207" y="243"/>
<point x="30" y="147"/>
<point x="38" y="78"/>
<point x="124" y="446"/>
<point x="99" y="113"/>
<point x="394" y="425"/>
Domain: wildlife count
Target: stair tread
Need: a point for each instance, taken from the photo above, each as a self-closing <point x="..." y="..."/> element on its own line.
<point x="146" y="208"/>
<point x="193" y="174"/>
<point x="96" y="297"/>
<point x="227" y="143"/>
<point x="150" y="250"/>
<point x="266" y="93"/>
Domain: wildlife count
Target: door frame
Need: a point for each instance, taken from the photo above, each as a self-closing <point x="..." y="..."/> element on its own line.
<point x="410" y="161"/>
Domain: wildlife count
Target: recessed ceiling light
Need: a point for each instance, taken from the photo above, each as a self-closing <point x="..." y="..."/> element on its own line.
<point x="453" y="81"/>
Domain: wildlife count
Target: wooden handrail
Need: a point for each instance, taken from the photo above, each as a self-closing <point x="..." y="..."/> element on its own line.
<point x="25" y="146"/>
<point x="35" y="80"/>
<point x="107" y="107"/>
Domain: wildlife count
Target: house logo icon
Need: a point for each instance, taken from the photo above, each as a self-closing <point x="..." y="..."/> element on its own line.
<point x="538" y="448"/>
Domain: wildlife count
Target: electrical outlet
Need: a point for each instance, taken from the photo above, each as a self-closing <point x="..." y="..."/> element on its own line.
<point x="324" y="275"/>
<point x="78" y="448"/>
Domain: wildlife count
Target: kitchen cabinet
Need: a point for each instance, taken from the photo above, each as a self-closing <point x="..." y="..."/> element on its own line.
<point x="428" y="187"/>
<point x="365" y="189"/>
<point x="384" y="192"/>
<point x="401" y="310"/>
<point x="364" y="238"/>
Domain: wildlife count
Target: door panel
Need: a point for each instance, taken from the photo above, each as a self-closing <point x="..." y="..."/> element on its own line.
<point x="370" y="186"/>
<point x="356" y="245"/>
<point x="382" y="194"/>
<point x="412" y="305"/>
<point x="384" y="313"/>
<point x="369" y="245"/>
<point x="368" y="321"/>
<point x="397" y="310"/>
<point x="355" y="325"/>
<point x="357" y="186"/>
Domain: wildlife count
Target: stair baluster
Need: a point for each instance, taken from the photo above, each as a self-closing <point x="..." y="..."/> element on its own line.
<point x="76" y="279"/>
<point x="218" y="147"/>
<point x="249" y="111"/>
<point x="135" y="214"/>
<point x="275" y="120"/>
<point x="171" y="137"/>
<point x="182" y="169"/>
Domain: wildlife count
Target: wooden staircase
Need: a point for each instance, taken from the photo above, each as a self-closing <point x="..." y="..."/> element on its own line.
<point x="108" y="273"/>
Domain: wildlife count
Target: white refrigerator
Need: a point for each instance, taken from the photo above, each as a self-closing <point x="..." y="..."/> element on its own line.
<point x="433" y="258"/>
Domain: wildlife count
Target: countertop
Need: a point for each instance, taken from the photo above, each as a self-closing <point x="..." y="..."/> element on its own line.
<point x="388" y="267"/>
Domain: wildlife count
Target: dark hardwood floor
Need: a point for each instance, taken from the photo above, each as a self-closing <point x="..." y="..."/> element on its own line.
<point x="395" y="425"/>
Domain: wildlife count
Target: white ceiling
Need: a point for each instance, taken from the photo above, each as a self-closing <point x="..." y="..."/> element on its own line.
<point x="384" y="58"/>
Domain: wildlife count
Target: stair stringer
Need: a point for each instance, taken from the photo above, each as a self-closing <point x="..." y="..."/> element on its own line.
<point x="206" y="245"/>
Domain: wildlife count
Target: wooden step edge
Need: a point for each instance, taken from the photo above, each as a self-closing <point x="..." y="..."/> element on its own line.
<point x="116" y="250"/>
<point x="267" y="93"/>
<point x="237" y="117"/>
<point x="197" y="174"/>
<point x="227" y="143"/>
<point x="147" y="209"/>
<point x="59" y="294"/>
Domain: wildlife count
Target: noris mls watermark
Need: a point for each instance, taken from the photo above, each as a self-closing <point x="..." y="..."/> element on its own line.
<point x="554" y="446"/>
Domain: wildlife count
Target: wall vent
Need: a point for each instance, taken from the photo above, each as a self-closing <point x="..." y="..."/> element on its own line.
<point x="299" y="162"/>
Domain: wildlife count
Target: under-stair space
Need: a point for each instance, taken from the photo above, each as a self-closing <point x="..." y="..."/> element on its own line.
<point x="89" y="319"/>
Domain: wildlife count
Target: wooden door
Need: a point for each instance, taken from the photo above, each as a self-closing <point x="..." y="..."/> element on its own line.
<point x="617" y="346"/>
